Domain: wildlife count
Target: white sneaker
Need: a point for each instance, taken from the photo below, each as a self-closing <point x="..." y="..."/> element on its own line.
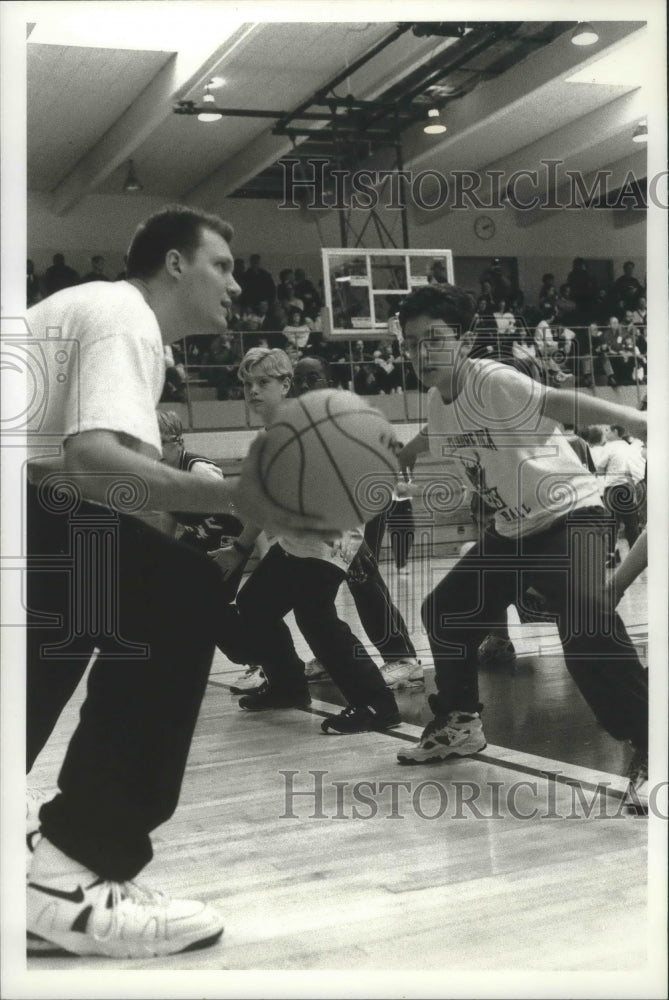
<point x="35" y="799"/>
<point x="251" y="680"/>
<point x="402" y="674"/>
<point x="459" y="734"/>
<point x="70" y="906"/>
<point x="314" y="670"/>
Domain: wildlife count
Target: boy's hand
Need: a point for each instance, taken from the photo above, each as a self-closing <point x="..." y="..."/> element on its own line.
<point x="228" y="559"/>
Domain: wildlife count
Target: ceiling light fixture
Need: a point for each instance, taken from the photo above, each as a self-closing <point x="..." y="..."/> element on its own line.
<point x="434" y="126"/>
<point x="209" y="116"/>
<point x="131" y="182"/>
<point x="640" y="133"/>
<point x="584" y="34"/>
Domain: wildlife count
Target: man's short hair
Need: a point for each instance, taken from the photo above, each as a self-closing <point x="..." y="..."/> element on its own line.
<point x="170" y="426"/>
<point x="270" y="361"/>
<point x="445" y="302"/>
<point x="173" y="228"/>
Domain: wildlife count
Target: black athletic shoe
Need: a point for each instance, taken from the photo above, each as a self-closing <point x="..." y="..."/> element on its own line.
<point x="275" y="697"/>
<point x="361" y="720"/>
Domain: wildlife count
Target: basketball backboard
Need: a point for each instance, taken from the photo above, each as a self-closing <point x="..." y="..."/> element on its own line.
<point x="364" y="287"/>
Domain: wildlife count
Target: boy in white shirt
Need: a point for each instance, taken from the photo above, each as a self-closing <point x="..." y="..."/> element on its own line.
<point x="550" y="528"/>
<point x="302" y="573"/>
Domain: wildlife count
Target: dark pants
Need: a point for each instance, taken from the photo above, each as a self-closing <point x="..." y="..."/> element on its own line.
<point x="566" y="564"/>
<point x="399" y="521"/>
<point x="281" y="583"/>
<point x="379" y="617"/>
<point x="149" y="604"/>
<point x="623" y="502"/>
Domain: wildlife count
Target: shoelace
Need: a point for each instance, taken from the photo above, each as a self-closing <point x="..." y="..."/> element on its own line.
<point x="117" y="893"/>
<point x="347" y="713"/>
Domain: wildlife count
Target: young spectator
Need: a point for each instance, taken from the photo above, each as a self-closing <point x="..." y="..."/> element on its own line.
<point x="59" y="275"/>
<point x="256" y="284"/>
<point x="33" y="284"/>
<point x="583" y="289"/>
<point x="174" y="390"/>
<point x="492" y="418"/>
<point x="627" y="289"/>
<point x="598" y="350"/>
<point x="306" y="290"/>
<point x="297" y="330"/>
<point x="388" y="377"/>
<point x="621" y="465"/>
<point x="223" y="358"/>
<point x="286" y="284"/>
<point x="303" y="575"/>
<point x="640" y="315"/>
<point x="618" y="351"/>
<point x="97" y="272"/>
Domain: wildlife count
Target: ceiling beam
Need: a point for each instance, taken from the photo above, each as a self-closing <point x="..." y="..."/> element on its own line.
<point x="492" y="100"/>
<point x="373" y="78"/>
<point x="181" y="73"/>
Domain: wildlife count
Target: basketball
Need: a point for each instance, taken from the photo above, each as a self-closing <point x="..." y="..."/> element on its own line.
<point x="328" y="455"/>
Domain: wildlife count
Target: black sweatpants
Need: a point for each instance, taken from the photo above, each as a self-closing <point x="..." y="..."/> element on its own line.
<point x="151" y="606"/>
<point x="281" y="583"/>
<point x="399" y="520"/>
<point x="566" y="564"/>
<point x="379" y="617"/>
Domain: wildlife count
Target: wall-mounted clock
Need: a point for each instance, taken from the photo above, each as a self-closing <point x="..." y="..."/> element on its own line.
<point x="484" y="227"/>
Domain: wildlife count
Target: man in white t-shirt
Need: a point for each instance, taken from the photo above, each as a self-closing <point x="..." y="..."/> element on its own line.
<point x="502" y="425"/>
<point x="98" y="576"/>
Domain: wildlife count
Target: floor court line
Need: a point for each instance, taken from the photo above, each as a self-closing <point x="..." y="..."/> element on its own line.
<point x="612" y="785"/>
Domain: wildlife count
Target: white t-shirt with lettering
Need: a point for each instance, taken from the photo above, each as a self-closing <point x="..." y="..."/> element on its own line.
<point x="527" y="470"/>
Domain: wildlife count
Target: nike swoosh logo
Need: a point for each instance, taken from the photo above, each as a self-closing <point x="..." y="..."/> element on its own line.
<point x="74" y="897"/>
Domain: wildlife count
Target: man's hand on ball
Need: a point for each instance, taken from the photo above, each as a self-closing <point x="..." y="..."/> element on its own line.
<point x="228" y="559"/>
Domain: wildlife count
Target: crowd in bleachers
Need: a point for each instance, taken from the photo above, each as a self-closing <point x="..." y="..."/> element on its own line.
<point x="575" y="332"/>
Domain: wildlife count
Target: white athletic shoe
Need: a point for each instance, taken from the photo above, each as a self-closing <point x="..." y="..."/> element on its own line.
<point x="251" y="680"/>
<point x="402" y="674"/>
<point x="35" y="799"/>
<point x="459" y="734"/>
<point x="71" y="907"/>
<point x="314" y="670"/>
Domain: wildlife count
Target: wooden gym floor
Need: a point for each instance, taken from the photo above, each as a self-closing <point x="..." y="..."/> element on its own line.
<point x="507" y="862"/>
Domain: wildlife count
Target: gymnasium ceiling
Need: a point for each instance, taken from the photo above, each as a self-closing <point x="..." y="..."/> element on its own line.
<point x="503" y="90"/>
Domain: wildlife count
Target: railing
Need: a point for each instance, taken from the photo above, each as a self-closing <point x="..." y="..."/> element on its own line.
<point x="562" y="362"/>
